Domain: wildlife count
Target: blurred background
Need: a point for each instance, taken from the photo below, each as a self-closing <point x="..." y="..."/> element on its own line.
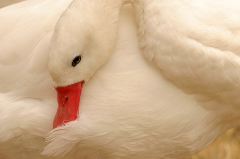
<point x="226" y="146"/>
<point x="7" y="2"/>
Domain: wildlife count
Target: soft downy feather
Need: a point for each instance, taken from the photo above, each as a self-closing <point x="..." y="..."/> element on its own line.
<point x="128" y="109"/>
<point x="195" y="44"/>
<point x="27" y="104"/>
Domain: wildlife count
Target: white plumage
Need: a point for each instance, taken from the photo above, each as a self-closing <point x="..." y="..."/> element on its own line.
<point x="129" y="109"/>
<point x="195" y="44"/>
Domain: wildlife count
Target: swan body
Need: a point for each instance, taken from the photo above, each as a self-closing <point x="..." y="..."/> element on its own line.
<point x="196" y="46"/>
<point x="128" y="110"/>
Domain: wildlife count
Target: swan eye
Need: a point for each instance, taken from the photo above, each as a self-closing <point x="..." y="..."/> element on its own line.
<point x="76" y="60"/>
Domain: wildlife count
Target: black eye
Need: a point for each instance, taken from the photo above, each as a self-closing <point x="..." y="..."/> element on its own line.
<point x="76" y="60"/>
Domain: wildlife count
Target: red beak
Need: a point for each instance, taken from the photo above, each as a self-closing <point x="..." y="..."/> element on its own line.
<point x="68" y="104"/>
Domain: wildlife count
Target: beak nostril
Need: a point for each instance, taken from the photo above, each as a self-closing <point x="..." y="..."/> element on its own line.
<point x="68" y="104"/>
<point x="66" y="98"/>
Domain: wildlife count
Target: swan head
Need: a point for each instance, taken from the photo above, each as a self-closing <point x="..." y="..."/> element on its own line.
<point x="78" y="49"/>
<point x="77" y="56"/>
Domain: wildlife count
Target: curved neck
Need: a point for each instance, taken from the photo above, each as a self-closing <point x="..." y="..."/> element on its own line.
<point x="109" y="8"/>
<point x="100" y="14"/>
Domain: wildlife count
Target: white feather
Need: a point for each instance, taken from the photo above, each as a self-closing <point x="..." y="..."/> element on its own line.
<point x="128" y="109"/>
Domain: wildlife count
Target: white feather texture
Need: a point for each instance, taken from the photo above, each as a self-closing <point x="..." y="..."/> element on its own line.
<point x="196" y="45"/>
<point x="128" y="109"/>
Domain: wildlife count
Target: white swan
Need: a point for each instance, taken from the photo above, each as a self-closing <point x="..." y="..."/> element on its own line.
<point x="127" y="109"/>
